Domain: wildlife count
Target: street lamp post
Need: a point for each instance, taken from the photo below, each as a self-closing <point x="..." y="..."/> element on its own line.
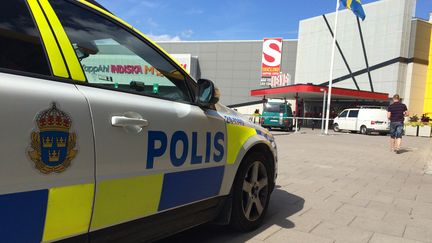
<point x="331" y="69"/>
<point x="323" y="110"/>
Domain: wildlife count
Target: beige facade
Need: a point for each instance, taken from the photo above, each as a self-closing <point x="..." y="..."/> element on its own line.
<point x="428" y="89"/>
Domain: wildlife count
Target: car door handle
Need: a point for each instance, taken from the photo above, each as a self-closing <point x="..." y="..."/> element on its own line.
<point x="123" y="121"/>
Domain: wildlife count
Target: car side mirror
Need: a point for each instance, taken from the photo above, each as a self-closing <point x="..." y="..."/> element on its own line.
<point x="85" y="49"/>
<point x="208" y="93"/>
<point x="88" y="48"/>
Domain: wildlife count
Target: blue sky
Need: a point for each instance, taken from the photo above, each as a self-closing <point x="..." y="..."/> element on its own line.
<point x="225" y="19"/>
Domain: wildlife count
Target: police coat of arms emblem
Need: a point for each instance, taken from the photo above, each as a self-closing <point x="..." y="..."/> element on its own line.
<point x="53" y="145"/>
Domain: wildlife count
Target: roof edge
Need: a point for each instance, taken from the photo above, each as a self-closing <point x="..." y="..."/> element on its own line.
<point x="219" y="41"/>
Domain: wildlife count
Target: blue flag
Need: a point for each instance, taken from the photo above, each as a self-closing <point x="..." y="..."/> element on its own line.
<point x="356" y="7"/>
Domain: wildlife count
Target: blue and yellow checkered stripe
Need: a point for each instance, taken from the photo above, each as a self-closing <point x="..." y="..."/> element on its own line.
<point x="58" y="213"/>
<point x="62" y="212"/>
<point x="122" y="200"/>
<point x="45" y="215"/>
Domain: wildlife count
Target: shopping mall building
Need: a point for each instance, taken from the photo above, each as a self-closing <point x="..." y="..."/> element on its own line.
<point x="390" y="52"/>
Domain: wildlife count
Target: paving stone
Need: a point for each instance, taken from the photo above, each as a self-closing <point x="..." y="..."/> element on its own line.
<point x="424" y="197"/>
<point x="409" y="220"/>
<point x="422" y="210"/>
<point x="347" y="192"/>
<point x="390" y="208"/>
<point x="320" y="195"/>
<point x="305" y="223"/>
<point x="418" y="233"/>
<point x="393" y="217"/>
<point x="390" y="188"/>
<point x="367" y="194"/>
<point x="383" y="197"/>
<point x="409" y="195"/>
<point x="349" y="200"/>
<point x="395" y="229"/>
<point x="381" y="238"/>
<point x="268" y="232"/>
<point x="297" y="236"/>
<point x="328" y="216"/>
<point x="362" y="212"/>
<point x="323" y="204"/>
<point x="342" y="233"/>
<point x="253" y="241"/>
<point x="404" y="203"/>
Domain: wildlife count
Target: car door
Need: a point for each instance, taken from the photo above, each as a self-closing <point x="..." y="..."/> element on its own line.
<point x="46" y="142"/>
<point x="342" y="120"/>
<point x="352" y="120"/>
<point x="155" y="149"/>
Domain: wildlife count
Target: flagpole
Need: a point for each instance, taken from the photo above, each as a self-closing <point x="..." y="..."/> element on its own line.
<point x="331" y="69"/>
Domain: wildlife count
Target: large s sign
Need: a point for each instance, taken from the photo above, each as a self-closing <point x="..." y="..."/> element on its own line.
<point x="271" y="57"/>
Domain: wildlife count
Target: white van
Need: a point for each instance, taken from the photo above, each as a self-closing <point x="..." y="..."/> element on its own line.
<point x="364" y="120"/>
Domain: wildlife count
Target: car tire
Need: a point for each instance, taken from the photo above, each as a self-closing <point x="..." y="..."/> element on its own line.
<point x="363" y="130"/>
<point x="251" y="193"/>
<point x="336" y="127"/>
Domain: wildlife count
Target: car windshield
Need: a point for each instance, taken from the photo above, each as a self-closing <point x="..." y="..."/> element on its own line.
<point x="274" y="107"/>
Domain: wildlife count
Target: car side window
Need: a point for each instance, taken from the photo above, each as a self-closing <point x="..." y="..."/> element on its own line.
<point x="343" y="114"/>
<point x="20" y="42"/>
<point x="114" y="58"/>
<point x="353" y="113"/>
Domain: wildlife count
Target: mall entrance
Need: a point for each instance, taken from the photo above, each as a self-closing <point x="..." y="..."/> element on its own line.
<point x="309" y="101"/>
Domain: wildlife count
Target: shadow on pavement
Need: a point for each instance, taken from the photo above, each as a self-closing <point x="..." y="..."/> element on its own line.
<point x="282" y="205"/>
<point x="402" y="151"/>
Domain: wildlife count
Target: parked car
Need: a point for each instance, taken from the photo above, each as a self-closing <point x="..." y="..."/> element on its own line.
<point x="277" y="115"/>
<point x="364" y="120"/>
<point x="106" y="138"/>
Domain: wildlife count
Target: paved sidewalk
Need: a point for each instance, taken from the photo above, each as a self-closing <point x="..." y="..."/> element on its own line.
<point x="341" y="188"/>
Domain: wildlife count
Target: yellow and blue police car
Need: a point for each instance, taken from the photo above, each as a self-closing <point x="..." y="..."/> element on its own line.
<point x="105" y="138"/>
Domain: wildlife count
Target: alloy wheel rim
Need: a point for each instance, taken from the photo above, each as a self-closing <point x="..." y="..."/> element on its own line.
<point x="255" y="191"/>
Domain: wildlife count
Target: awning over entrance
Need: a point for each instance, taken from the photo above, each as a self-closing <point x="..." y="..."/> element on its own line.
<point x="315" y="92"/>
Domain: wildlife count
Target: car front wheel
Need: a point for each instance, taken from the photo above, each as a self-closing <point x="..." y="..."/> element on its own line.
<point x="336" y="127"/>
<point x="251" y="193"/>
<point x="363" y="130"/>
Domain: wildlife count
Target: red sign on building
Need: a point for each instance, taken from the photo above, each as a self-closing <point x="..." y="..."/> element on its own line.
<point x="271" y="57"/>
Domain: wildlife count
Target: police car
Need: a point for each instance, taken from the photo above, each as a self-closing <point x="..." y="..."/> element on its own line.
<point x="105" y="138"/>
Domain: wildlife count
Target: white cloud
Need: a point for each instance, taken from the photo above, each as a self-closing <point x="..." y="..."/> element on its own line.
<point x="164" y="37"/>
<point x="187" y="33"/>
<point x="167" y="37"/>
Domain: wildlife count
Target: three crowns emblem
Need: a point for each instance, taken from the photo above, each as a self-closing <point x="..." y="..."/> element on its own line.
<point x="53" y="145"/>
